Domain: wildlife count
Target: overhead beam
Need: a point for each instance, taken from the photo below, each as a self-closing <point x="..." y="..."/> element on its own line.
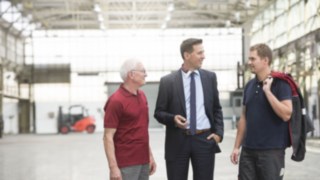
<point x="111" y="22"/>
<point x="126" y="13"/>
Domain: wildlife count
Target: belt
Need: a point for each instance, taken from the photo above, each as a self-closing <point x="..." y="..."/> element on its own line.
<point x="188" y="131"/>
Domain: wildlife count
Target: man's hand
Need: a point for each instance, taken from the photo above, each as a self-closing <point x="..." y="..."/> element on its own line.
<point x="180" y="121"/>
<point x="115" y="174"/>
<point x="267" y="84"/>
<point x="152" y="166"/>
<point x="214" y="137"/>
<point x="234" y="157"/>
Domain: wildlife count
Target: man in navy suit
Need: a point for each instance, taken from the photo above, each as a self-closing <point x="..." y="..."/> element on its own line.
<point x="188" y="105"/>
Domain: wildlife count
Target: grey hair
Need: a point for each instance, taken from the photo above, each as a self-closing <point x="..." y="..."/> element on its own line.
<point x="127" y="66"/>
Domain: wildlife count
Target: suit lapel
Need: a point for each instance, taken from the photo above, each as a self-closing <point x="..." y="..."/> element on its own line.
<point x="180" y="90"/>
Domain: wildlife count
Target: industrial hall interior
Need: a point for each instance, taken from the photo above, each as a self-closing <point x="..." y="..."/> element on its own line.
<point x="60" y="62"/>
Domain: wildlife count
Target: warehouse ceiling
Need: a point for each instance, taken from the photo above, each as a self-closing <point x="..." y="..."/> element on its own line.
<point x="139" y="14"/>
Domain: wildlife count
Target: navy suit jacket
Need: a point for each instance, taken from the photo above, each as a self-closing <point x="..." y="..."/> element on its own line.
<point x="171" y="102"/>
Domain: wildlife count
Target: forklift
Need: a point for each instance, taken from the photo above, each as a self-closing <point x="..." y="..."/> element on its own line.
<point x="76" y="120"/>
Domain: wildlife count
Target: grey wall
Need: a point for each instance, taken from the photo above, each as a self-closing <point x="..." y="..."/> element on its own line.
<point x="151" y="91"/>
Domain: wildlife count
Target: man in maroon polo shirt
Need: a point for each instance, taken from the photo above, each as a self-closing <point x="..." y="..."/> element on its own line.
<point x="126" y="137"/>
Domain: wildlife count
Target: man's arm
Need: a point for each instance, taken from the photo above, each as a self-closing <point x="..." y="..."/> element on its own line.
<point x="217" y="114"/>
<point x="239" y="138"/>
<point x="282" y="108"/>
<point x="161" y="110"/>
<point x="110" y="153"/>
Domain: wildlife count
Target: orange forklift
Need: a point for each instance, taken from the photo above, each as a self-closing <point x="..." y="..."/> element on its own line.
<point x="76" y="120"/>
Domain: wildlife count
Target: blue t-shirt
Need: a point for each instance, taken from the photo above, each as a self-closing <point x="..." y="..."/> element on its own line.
<point x="264" y="128"/>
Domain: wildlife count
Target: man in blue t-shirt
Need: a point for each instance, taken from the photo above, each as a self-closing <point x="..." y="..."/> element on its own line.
<point x="263" y="126"/>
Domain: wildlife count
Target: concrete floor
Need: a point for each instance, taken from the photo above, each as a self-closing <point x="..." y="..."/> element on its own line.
<point x="80" y="156"/>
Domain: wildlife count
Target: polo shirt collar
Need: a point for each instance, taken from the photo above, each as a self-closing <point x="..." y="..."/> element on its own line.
<point x="126" y="93"/>
<point x="257" y="80"/>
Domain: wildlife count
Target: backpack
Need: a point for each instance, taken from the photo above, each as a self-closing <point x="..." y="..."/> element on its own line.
<point x="300" y="123"/>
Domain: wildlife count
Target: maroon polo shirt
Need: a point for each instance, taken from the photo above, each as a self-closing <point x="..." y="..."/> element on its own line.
<point x="128" y="113"/>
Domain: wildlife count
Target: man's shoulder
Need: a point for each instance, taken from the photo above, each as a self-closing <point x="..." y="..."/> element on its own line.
<point x="251" y="81"/>
<point x="116" y="96"/>
<point x="116" y="99"/>
<point x="207" y="72"/>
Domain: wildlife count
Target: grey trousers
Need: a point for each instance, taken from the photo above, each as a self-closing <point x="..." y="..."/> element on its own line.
<point x="261" y="164"/>
<point x="136" y="172"/>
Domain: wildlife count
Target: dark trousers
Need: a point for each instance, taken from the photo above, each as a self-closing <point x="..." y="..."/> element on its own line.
<point x="261" y="164"/>
<point x="201" y="153"/>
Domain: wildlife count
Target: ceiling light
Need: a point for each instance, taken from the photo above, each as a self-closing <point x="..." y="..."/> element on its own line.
<point x="164" y="26"/>
<point x="168" y="17"/>
<point x="247" y="4"/>
<point x="102" y="26"/>
<point x="97" y="8"/>
<point x="100" y="18"/>
<point x="171" y="7"/>
<point x="237" y="16"/>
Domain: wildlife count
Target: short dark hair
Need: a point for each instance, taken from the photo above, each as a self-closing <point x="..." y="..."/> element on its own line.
<point x="187" y="45"/>
<point x="263" y="51"/>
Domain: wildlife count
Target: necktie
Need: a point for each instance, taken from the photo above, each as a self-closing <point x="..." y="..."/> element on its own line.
<point x="193" y="112"/>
